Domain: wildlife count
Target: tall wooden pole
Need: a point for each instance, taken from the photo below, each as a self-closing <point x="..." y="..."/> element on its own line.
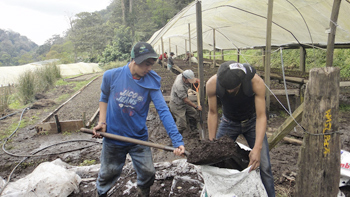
<point x="214" y="50"/>
<point x="302" y="59"/>
<point x="169" y="46"/>
<point x="222" y="55"/>
<point x="200" y="59"/>
<point x="319" y="157"/>
<point x="161" y="41"/>
<point x="268" y="53"/>
<point x="189" y="43"/>
<point x="331" y="35"/>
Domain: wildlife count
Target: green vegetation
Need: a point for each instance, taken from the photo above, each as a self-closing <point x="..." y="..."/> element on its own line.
<point x="88" y="163"/>
<point x="344" y="107"/>
<point x="5" y="93"/>
<point x="114" y="64"/>
<point x="316" y="58"/>
<point x="37" y="81"/>
<point x="15" y="49"/>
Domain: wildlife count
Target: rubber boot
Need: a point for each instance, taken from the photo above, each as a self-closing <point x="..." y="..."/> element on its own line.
<point x="143" y="192"/>
<point x="103" y="195"/>
<point x="193" y="124"/>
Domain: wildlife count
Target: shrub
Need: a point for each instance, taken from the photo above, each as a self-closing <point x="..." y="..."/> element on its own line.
<point x="5" y="93"/>
<point x="37" y="81"/>
<point x="26" y="87"/>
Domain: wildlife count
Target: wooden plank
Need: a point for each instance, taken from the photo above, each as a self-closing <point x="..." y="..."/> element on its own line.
<point x="88" y="124"/>
<point x="291" y="92"/>
<point x="193" y="98"/>
<point x="288" y="139"/>
<point x="286" y="127"/>
<point x="51" y="128"/>
<point x="344" y="83"/>
<point x="175" y="67"/>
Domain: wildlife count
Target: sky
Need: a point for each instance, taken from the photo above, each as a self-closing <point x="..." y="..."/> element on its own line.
<point x="39" y="20"/>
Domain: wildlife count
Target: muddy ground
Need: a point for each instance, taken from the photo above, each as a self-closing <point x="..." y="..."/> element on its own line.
<point x="25" y="142"/>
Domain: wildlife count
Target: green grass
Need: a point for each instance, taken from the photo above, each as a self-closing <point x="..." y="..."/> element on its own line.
<point x="24" y="123"/>
<point x="344" y="107"/>
<point x="111" y="65"/>
<point x="315" y="58"/>
<point x="88" y="163"/>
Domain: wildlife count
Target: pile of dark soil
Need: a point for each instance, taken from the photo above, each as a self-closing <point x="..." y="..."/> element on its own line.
<point x="220" y="152"/>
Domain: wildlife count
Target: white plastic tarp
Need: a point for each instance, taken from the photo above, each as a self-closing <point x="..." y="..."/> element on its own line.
<point x="222" y="182"/>
<point x="241" y="24"/>
<point x="10" y="74"/>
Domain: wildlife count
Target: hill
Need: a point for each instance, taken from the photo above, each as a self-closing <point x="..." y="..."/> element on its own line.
<point x="15" y="49"/>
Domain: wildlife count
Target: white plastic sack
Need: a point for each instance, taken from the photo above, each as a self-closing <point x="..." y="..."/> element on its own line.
<point x="344" y="168"/>
<point x="194" y="60"/>
<point x="222" y="182"/>
<point x="48" y="179"/>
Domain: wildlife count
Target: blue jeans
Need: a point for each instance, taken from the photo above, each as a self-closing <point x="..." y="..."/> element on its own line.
<point x="112" y="162"/>
<point x="247" y="128"/>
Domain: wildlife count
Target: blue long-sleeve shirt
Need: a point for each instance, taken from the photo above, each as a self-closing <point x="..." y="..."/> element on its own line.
<point x="128" y="102"/>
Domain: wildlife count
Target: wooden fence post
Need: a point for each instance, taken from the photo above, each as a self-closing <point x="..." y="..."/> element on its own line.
<point x="319" y="157"/>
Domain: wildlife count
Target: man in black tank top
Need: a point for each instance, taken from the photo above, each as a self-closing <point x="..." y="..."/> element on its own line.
<point x="242" y="94"/>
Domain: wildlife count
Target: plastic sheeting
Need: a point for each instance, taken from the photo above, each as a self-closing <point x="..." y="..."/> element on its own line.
<point x="10" y="74"/>
<point x="222" y="182"/>
<point x="241" y="24"/>
<point x="48" y="179"/>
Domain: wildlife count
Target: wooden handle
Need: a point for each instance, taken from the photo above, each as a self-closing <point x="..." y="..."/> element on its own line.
<point x="131" y="140"/>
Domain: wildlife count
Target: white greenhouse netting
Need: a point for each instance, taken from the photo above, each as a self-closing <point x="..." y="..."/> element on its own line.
<point x="10" y="74"/>
<point x="241" y="24"/>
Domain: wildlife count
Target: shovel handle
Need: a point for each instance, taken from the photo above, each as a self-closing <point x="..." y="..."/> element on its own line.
<point x="131" y="140"/>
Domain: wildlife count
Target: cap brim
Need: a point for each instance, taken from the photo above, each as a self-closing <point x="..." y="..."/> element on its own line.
<point x="144" y="57"/>
<point x="192" y="80"/>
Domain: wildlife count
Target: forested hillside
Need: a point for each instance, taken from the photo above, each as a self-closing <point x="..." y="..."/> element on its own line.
<point x="14" y="48"/>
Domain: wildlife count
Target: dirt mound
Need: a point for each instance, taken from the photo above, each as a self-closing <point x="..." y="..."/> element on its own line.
<point x="217" y="151"/>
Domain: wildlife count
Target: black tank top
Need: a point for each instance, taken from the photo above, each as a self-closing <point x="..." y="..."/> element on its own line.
<point x="237" y="107"/>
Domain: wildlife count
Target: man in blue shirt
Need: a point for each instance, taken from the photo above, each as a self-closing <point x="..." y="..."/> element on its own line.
<point x="126" y="93"/>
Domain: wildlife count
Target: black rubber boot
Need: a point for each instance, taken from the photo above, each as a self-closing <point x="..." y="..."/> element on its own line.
<point x="193" y="124"/>
<point x="143" y="192"/>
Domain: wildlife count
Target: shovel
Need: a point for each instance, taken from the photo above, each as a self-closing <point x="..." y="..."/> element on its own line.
<point x="201" y="131"/>
<point x="131" y="140"/>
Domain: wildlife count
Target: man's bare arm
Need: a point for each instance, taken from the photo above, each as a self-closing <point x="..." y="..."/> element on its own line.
<point x="212" y="111"/>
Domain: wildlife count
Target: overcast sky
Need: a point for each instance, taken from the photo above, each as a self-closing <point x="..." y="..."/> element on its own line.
<point x="38" y="20"/>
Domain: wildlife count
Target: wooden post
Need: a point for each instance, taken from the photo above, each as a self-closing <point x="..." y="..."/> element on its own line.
<point x="331" y="35"/>
<point x="238" y="51"/>
<point x="222" y="54"/>
<point x="302" y="59"/>
<point x="161" y="41"/>
<point x="214" y="46"/>
<point x="319" y="158"/>
<point x="268" y="53"/>
<point x="200" y="60"/>
<point x="189" y="44"/>
<point x="169" y="46"/>
<point x="58" y="125"/>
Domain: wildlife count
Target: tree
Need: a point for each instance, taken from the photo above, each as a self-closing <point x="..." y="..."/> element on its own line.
<point x="121" y="47"/>
<point x="90" y="34"/>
